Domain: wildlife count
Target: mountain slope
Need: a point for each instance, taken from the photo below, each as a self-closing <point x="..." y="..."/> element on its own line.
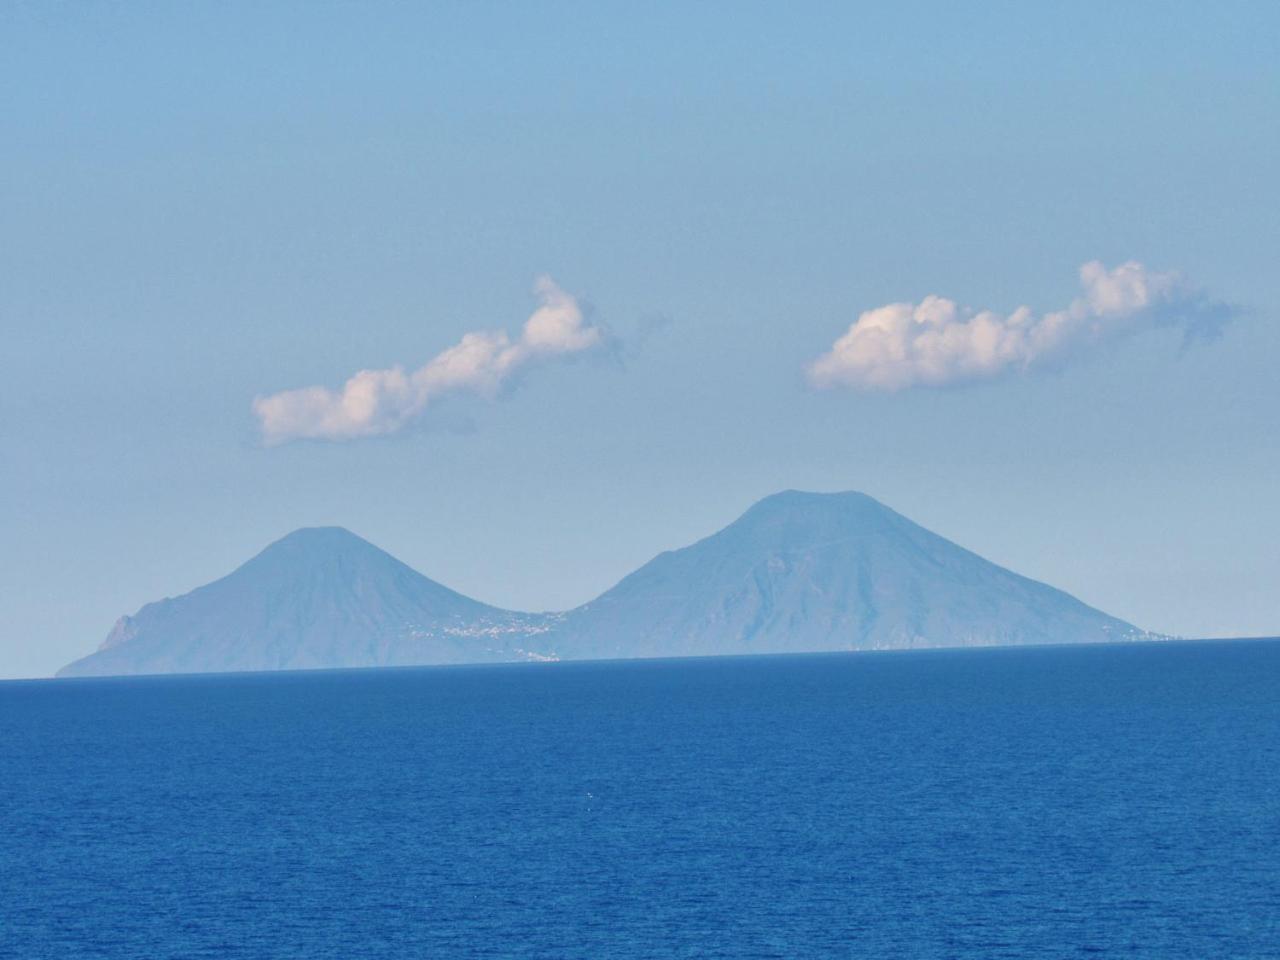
<point x="797" y="572"/>
<point x="320" y="597"/>
<point x="810" y="572"/>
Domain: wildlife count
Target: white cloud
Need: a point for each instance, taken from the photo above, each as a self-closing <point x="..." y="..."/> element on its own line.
<point x="936" y="342"/>
<point x="374" y="402"/>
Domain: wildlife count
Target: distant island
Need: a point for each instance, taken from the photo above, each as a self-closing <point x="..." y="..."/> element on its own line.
<point x="798" y="572"/>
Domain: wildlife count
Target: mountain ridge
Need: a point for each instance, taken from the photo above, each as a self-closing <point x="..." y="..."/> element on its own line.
<point x="795" y="572"/>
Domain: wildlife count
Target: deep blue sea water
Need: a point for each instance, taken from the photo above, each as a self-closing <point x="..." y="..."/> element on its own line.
<point x="1103" y="801"/>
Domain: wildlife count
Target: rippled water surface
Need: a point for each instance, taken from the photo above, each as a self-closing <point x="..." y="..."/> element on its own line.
<point x="1116" y="801"/>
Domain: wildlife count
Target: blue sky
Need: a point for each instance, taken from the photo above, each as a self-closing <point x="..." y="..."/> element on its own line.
<point x="201" y="205"/>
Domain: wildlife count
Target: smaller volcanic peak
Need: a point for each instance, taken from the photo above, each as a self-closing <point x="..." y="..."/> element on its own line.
<point x="319" y="597"/>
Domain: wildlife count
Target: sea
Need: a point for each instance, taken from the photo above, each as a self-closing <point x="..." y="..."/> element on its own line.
<point x="1046" y="802"/>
